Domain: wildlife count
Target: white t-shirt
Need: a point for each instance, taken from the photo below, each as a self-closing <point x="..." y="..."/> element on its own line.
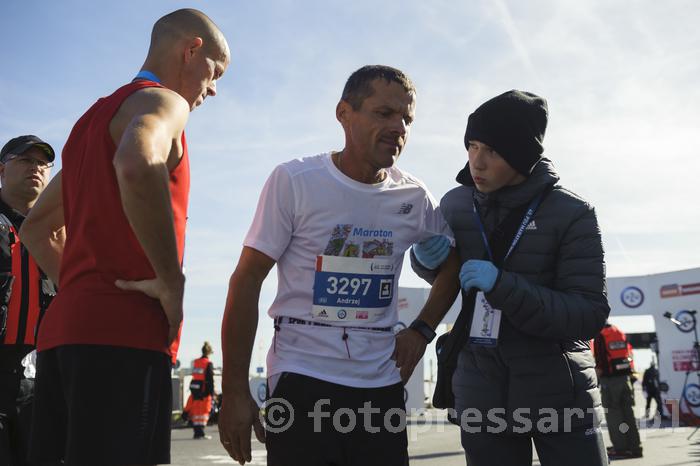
<point x="339" y="246"/>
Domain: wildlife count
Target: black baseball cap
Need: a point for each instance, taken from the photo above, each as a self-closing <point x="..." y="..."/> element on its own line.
<point x="20" y="144"/>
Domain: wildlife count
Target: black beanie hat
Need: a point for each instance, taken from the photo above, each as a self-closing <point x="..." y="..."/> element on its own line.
<point x="513" y="124"/>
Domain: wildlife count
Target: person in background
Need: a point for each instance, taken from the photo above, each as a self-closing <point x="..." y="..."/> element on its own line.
<point x="25" y="165"/>
<point x="650" y="384"/>
<point x="615" y="369"/>
<point x="202" y="392"/>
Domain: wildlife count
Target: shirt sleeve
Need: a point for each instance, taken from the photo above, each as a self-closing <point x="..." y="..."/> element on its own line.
<point x="271" y="230"/>
<point x="434" y="222"/>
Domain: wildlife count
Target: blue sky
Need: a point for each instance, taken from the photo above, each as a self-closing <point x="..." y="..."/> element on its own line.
<point x="620" y="77"/>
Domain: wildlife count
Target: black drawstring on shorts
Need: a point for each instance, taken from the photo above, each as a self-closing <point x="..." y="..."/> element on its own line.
<point x="274" y="338"/>
<point x="345" y="339"/>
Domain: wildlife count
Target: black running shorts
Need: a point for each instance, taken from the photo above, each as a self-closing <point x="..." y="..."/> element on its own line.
<point x="312" y="422"/>
<point x="101" y="405"/>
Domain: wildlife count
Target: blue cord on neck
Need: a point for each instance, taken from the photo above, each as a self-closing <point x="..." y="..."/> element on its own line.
<point x="144" y="74"/>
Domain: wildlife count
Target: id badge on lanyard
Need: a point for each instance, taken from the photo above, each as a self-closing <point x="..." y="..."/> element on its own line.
<point x="352" y="289"/>
<point x="486" y="323"/>
<point x="486" y="320"/>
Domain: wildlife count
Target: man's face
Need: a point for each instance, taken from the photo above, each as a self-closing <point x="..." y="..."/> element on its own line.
<point x="201" y="72"/>
<point x="26" y="174"/>
<point x="489" y="170"/>
<point x="378" y="130"/>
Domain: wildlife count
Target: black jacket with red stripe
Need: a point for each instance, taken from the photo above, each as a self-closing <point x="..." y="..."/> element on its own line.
<point x="25" y="292"/>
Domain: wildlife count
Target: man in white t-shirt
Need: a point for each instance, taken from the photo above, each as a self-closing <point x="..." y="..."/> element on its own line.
<point x="337" y="226"/>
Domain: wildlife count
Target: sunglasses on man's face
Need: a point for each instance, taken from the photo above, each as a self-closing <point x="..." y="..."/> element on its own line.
<point x="24" y="160"/>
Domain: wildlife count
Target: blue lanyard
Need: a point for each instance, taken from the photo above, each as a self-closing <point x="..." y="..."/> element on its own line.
<point x="526" y="219"/>
<point x="144" y="74"/>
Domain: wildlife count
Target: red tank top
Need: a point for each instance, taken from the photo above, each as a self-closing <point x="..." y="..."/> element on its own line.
<point x="101" y="246"/>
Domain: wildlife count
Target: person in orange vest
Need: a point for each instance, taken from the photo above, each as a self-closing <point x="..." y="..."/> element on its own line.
<point x="25" y="292"/>
<point x="199" y="402"/>
<point x="615" y="369"/>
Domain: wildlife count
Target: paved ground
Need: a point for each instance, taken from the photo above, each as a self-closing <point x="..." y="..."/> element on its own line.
<point x="438" y="444"/>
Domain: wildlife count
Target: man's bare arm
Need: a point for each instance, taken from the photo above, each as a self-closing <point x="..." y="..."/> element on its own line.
<point x="443" y="292"/>
<point x="410" y="345"/>
<point x="144" y="155"/>
<point x="239" y="411"/>
<point x="43" y="232"/>
<point x="240" y="320"/>
<point x="141" y="165"/>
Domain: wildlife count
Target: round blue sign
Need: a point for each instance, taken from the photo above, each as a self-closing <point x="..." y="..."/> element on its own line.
<point x="687" y="322"/>
<point x="632" y="297"/>
<point x="262" y="392"/>
<point x="691" y="393"/>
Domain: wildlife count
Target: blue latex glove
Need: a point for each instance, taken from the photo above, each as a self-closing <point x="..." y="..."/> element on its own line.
<point x="478" y="274"/>
<point x="433" y="251"/>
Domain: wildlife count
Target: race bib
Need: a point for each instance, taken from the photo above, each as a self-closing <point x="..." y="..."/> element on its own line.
<point x="352" y="289"/>
<point x="486" y="323"/>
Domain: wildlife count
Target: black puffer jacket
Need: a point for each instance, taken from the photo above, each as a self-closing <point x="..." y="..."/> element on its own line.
<point x="552" y="294"/>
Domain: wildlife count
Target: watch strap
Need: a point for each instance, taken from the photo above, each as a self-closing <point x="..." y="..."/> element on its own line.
<point x="424" y="329"/>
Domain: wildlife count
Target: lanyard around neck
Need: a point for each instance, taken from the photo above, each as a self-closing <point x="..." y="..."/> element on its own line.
<point x="523" y="225"/>
<point x="147" y="75"/>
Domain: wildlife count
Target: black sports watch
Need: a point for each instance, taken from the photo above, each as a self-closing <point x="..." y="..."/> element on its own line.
<point x="424" y="329"/>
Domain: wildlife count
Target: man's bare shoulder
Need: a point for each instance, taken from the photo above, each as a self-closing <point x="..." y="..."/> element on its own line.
<point x="155" y="100"/>
<point x="158" y="102"/>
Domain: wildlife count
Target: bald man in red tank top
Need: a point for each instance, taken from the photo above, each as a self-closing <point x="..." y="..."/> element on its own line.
<point x="122" y="194"/>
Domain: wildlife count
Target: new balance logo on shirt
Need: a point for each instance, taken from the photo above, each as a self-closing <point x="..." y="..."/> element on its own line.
<point x="405" y="208"/>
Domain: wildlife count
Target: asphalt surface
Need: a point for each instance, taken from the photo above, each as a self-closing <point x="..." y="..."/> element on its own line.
<point x="437" y="443"/>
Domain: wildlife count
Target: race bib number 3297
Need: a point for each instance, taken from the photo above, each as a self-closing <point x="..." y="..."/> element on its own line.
<point x="352" y="289"/>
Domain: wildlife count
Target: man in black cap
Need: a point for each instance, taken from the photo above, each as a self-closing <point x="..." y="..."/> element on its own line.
<point x="525" y="371"/>
<point x="25" y="292"/>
